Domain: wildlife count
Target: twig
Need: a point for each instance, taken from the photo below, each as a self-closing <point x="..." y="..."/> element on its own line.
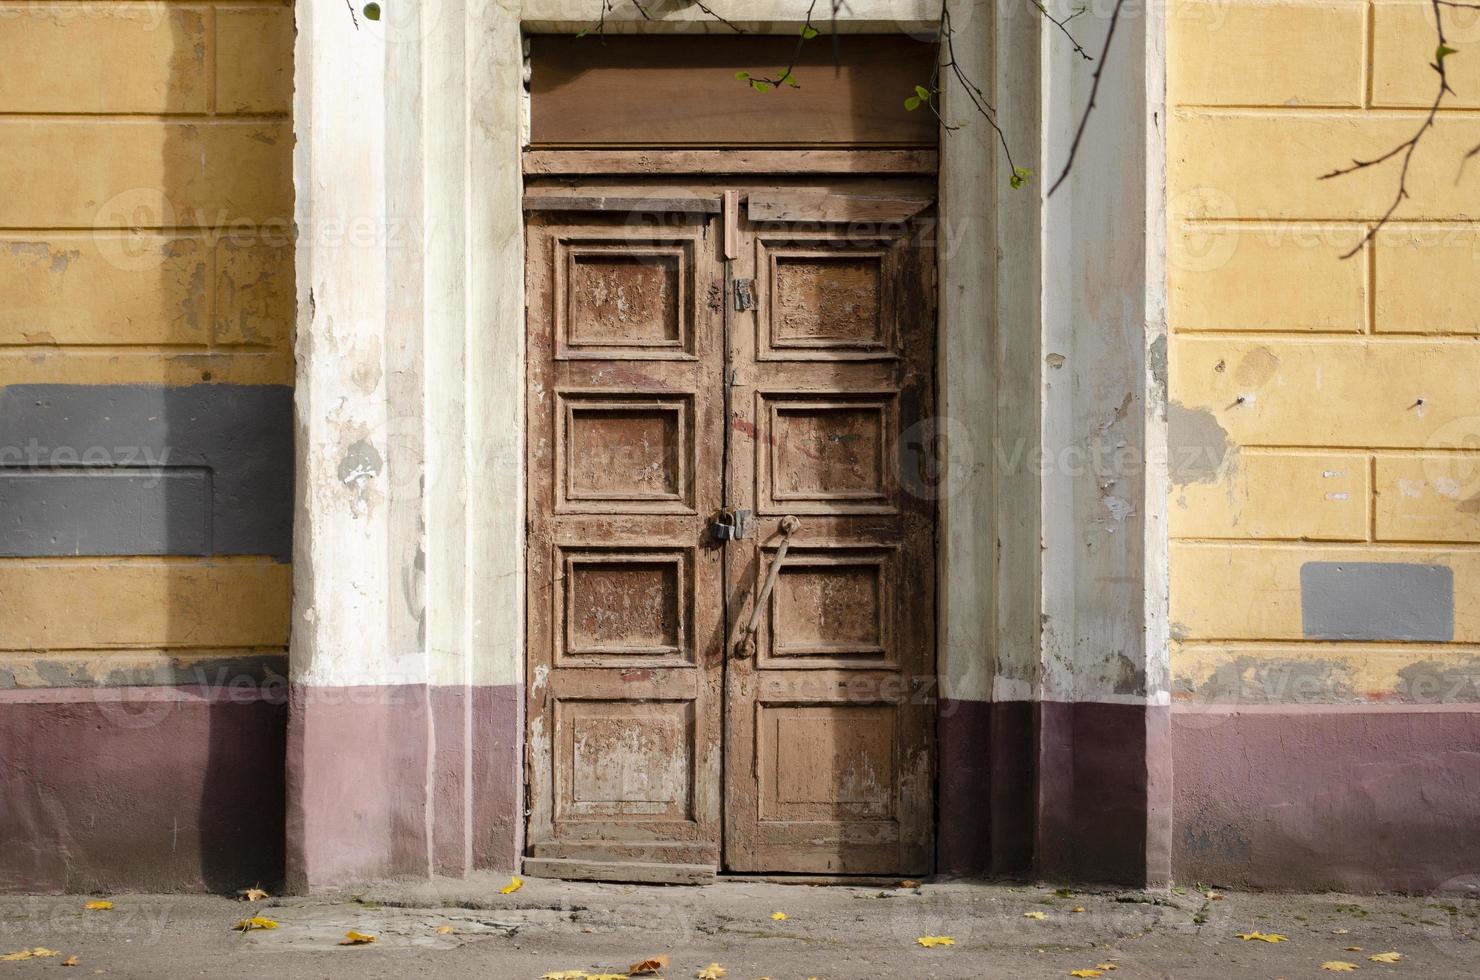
<point x="973" y="91"/>
<point x="1063" y="25"/>
<point x="710" y="11"/>
<point x="1094" y="89"/>
<point x="761" y="83"/>
<point x="1410" y="146"/>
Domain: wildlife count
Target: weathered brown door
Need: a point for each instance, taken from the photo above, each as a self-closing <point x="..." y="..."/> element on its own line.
<point x="626" y="612"/>
<point x="828" y="761"/>
<point x="758" y="364"/>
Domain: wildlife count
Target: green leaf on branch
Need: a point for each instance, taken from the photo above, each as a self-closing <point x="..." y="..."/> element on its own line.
<point x="742" y="75"/>
<point x="1443" y="52"/>
<point x="808" y="32"/>
<point x="912" y="103"/>
<point x="923" y="93"/>
<point x="372" y="11"/>
<point x="759" y="85"/>
<point x="1020" y="176"/>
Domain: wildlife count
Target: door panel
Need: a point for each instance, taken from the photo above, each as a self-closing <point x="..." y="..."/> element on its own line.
<point x="828" y="728"/>
<point x="625" y="613"/>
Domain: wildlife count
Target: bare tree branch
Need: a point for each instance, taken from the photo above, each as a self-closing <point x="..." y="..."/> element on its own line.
<point x="1409" y="147"/>
<point x="1062" y="23"/>
<point x="1094" y="89"/>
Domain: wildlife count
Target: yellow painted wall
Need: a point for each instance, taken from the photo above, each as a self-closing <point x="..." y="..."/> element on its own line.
<point x="145" y="238"/>
<point x="1326" y="409"/>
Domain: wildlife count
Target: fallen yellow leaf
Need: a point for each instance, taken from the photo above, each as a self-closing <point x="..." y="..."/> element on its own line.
<point x="1035" y="915"/>
<point x="253" y="895"/>
<point x="98" y="905"/>
<point x="444" y="930"/>
<point x="353" y="938"/>
<point x="1338" y="966"/>
<point x="1272" y="937"/>
<point x="1106" y="966"/>
<point x="930" y="942"/>
<point x="256" y="922"/>
<point x="909" y="883"/>
<point x="606" y="976"/>
<point x="1352" y="949"/>
<point x="70" y="961"/>
<point x="1213" y="896"/>
<point x="515" y="883"/>
<point x="1084" y="973"/>
<point x="650" y="965"/>
<point x="565" y="975"/>
<point x="12" y="957"/>
<point x="1389" y="957"/>
<point x="779" y="916"/>
<point x="42" y="951"/>
<point x="1077" y="908"/>
<point x="711" y="972"/>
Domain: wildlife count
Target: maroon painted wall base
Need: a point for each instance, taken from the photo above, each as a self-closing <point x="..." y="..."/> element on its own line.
<point x="1314" y="797"/>
<point x="1074" y="792"/>
<point x="164" y="789"/>
<point x="402" y="780"/>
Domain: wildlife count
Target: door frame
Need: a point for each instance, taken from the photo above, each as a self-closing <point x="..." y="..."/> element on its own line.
<point x="410" y="323"/>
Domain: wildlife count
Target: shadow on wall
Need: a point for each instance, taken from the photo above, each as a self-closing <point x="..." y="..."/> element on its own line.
<point x="146" y="484"/>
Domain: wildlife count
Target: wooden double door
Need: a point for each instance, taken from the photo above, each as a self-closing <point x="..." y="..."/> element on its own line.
<point x="730" y="398"/>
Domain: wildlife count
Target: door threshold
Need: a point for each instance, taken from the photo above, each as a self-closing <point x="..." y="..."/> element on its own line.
<point x="625" y="872"/>
<point x="858" y="881"/>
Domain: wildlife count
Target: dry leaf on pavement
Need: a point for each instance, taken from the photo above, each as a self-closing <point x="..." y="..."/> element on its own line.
<point x="1388" y="957"/>
<point x="779" y="916"/>
<point x="1338" y="966"/>
<point x="1106" y="966"/>
<point x="444" y="930"/>
<point x="711" y="972"/>
<point x="1084" y="973"/>
<point x="70" y="961"/>
<point x="353" y="938"/>
<point x="37" y="952"/>
<point x="98" y="905"/>
<point x="1263" y="937"/>
<point x="253" y="895"/>
<point x="565" y="975"/>
<point x="1035" y="915"/>
<point x="930" y="942"/>
<point x="650" y="965"/>
<point x="255" y="922"/>
<point x="515" y="883"/>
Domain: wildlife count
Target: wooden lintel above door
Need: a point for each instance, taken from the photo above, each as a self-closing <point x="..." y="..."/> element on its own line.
<point x="711" y="91"/>
<point x="748" y="162"/>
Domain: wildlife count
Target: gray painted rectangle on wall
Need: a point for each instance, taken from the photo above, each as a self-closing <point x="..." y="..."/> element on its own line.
<point x="50" y="511"/>
<point x="237" y="440"/>
<point x="1356" y="600"/>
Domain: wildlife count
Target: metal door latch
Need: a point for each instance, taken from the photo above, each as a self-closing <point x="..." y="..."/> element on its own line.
<point x="744" y="295"/>
<point x="730" y="525"/>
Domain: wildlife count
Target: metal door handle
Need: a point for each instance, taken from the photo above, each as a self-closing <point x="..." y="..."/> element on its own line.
<point x="745" y="645"/>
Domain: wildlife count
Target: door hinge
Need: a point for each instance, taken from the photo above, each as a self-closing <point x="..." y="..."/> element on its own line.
<point x="744" y="295"/>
